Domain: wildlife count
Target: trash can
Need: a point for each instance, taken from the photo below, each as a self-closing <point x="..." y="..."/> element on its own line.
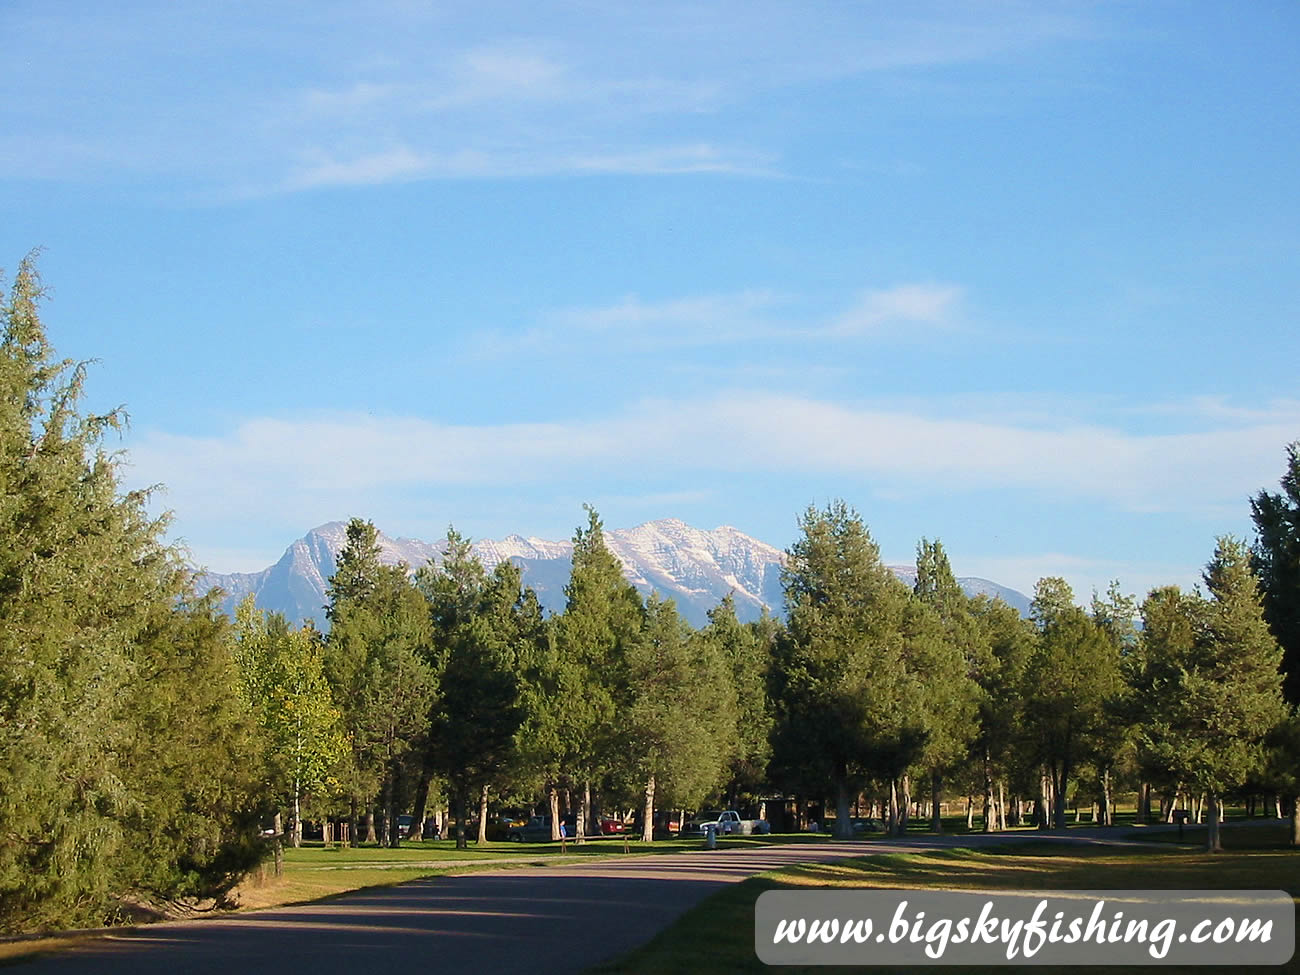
<point x="711" y="837"/>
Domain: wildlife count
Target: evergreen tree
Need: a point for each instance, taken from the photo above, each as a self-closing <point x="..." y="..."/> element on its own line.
<point x="747" y="653"/>
<point x="1276" y="559"/>
<point x="1211" y="681"/>
<point x="377" y="654"/>
<point x="485" y="632"/>
<point x="679" y="727"/>
<point x="98" y="639"/>
<point x="847" y="708"/>
<point x="1071" y="677"/>
<point x="949" y="652"/>
<point x="602" y="622"/>
<point x="1116" y="616"/>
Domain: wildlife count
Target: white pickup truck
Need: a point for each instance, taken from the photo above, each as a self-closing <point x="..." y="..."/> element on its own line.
<point x="725" y="821"/>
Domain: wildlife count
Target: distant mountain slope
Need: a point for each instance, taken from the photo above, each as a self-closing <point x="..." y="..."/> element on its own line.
<point x="693" y="567"/>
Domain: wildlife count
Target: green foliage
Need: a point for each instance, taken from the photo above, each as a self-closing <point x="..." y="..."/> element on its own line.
<point x="378" y="662"/>
<point x="121" y="754"/>
<point x="1071" y="678"/>
<point x="486" y="632"/>
<point x="1276" y="560"/>
<point x="1210" y="682"/>
<point x="680" y="725"/>
<point x="949" y="650"/>
<point x="282" y="679"/>
<point x="747" y="653"/>
<point x="601" y="624"/>
<point x="848" y="709"/>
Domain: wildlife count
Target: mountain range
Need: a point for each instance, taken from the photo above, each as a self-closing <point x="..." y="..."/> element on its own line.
<point x="695" y="568"/>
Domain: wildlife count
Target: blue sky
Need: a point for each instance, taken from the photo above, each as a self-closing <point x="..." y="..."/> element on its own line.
<point x="1019" y="276"/>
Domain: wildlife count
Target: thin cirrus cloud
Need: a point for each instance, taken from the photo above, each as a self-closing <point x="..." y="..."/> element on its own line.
<point x="703" y="320"/>
<point x="343" y="460"/>
<point x="522" y="90"/>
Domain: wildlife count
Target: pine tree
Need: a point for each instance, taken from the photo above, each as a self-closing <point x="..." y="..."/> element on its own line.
<point x="847" y="708"/>
<point x="1071" y="677"/>
<point x="1276" y="560"/>
<point x="1211" y="681"/>
<point x="485" y="628"/>
<point x="602" y="621"/>
<point x="748" y="655"/>
<point x="679" y="727"/>
<point x="378" y="664"/>
<point x="98" y="639"/>
<point x="949" y="651"/>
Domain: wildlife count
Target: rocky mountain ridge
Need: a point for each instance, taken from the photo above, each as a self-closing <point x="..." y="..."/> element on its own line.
<point x="695" y="568"/>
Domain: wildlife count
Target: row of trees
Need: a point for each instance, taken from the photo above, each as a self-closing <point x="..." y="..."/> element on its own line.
<point x="145" y="739"/>
<point x="454" y="677"/>
<point x="452" y="681"/>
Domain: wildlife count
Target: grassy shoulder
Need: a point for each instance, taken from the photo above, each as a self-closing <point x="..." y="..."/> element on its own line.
<point x="721" y="928"/>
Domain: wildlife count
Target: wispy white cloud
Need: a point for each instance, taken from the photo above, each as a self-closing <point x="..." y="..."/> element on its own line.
<point x="577" y="89"/>
<point x="384" y="167"/>
<point x="910" y="304"/>
<point x="745" y="316"/>
<point x="277" y="467"/>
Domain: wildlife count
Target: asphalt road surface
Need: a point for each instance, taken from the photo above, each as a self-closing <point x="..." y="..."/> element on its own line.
<point x="554" y="919"/>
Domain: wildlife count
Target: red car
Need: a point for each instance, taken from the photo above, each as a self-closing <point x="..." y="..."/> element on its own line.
<point x="612" y="827"/>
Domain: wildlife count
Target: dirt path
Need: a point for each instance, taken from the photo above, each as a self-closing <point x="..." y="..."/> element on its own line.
<point x="561" y="918"/>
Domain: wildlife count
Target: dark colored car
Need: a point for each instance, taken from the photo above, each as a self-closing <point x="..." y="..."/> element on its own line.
<point x="536" y="830"/>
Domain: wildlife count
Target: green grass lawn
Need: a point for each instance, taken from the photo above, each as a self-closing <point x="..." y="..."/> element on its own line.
<point x="718" y="935"/>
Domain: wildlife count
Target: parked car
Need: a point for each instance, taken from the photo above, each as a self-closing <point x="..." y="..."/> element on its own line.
<point x="612" y="827"/>
<point x="666" y="825"/>
<point x="499" y="828"/>
<point x="536" y="830"/>
<point x="725" y="822"/>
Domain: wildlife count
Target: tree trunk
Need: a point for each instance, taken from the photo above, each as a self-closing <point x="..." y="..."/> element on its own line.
<point x="553" y="801"/>
<point x="1295" y="820"/>
<point x="371" y="837"/>
<point x="421" y="804"/>
<point x="988" y="794"/>
<point x="893" y="807"/>
<point x="1002" y="805"/>
<point x="936" y="786"/>
<point x="390" y="817"/>
<point x="843" y="825"/>
<point x="297" y="816"/>
<point x="278" y="828"/>
<point x="1059" y="787"/>
<point x="970" y="813"/>
<point x="584" y="807"/>
<point x="462" y="816"/>
<point x="354" y="824"/>
<point x="1212" y="842"/>
<point x="482" y="815"/>
<point x="648" y="812"/>
<point x="906" y="805"/>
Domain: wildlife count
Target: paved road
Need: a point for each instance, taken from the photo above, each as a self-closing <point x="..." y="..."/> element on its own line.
<point x="555" y="919"/>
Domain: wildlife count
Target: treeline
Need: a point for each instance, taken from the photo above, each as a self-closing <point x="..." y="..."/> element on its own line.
<point x="146" y="741"/>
